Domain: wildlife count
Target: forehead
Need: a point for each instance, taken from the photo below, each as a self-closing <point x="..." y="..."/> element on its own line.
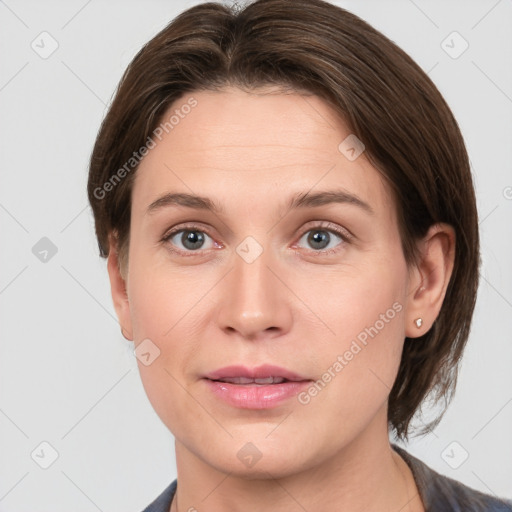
<point x="235" y="144"/>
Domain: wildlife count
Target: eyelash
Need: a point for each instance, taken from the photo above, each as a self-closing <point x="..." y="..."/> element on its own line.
<point x="323" y="226"/>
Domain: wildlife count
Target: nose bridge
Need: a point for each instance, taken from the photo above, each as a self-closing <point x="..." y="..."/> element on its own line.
<point x="254" y="301"/>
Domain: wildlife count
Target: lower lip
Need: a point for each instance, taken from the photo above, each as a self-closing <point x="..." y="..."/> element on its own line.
<point x="256" y="396"/>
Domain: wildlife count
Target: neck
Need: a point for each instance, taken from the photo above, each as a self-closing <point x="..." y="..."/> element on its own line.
<point x="366" y="475"/>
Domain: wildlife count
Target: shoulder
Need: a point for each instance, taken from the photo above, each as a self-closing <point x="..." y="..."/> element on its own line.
<point x="440" y="493"/>
<point x="163" y="502"/>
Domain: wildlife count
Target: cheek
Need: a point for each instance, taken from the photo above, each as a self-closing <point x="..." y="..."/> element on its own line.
<point x="360" y="348"/>
<point x="156" y="312"/>
<point x="159" y="296"/>
<point x="163" y="305"/>
<point x="357" y="304"/>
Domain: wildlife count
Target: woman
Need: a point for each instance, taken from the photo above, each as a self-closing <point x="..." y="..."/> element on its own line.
<point x="288" y="213"/>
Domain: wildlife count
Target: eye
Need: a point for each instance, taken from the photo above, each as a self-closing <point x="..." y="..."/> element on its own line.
<point x="323" y="240"/>
<point x="192" y="239"/>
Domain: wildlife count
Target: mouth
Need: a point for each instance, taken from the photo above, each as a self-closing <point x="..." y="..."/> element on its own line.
<point x="265" y="374"/>
<point x="245" y="381"/>
<point x="263" y="387"/>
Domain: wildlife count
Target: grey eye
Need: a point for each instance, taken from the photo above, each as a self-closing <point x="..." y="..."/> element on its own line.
<point x="319" y="239"/>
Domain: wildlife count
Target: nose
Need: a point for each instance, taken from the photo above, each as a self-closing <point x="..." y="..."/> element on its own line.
<point x="256" y="303"/>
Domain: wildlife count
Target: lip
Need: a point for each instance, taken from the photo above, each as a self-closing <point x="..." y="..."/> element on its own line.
<point x="255" y="396"/>
<point x="259" y="372"/>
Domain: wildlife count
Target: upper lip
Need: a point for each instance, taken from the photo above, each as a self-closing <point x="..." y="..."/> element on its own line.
<point x="259" y="372"/>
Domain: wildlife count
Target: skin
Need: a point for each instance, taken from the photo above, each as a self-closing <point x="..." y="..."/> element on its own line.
<point x="295" y="306"/>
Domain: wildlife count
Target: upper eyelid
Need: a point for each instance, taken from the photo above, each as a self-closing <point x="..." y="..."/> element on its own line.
<point x="190" y="227"/>
<point x="330" y="226"/>
<point x="327" y="225"/>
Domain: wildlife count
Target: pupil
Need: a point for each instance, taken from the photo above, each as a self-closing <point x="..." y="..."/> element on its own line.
<point x="192" y="239"/>
<point x="319" y="237"/>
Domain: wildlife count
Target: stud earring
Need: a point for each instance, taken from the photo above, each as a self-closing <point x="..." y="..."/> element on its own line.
<point x="418" y="322"/>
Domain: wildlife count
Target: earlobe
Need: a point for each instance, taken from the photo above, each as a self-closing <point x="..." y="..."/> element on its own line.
<point x="119" y="292"/>
<point x="430" y="279"/>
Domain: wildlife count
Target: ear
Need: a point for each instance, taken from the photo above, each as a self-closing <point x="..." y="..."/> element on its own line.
<point x="118" y="290"/>
<point x="429" y="279"/>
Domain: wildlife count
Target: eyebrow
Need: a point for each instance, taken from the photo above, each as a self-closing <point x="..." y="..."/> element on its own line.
<point x="300" y="200"/>
<point x="307" y="200"/>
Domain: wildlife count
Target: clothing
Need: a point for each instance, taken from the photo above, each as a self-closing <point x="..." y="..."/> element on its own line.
<point x="439" y="493"/>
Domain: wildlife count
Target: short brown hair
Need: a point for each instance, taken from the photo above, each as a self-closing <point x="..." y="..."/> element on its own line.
<point x="384" y="97"/>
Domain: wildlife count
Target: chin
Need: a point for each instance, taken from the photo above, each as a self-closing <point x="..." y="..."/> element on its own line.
<point x="253" y="457"/>
<point x="268" y="467"/>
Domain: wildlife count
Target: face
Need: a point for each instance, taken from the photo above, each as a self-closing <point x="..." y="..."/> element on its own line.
<point x="289" y="267"/>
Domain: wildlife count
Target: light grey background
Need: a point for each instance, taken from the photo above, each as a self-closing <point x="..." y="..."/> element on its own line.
<point x="68" y="377"/>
